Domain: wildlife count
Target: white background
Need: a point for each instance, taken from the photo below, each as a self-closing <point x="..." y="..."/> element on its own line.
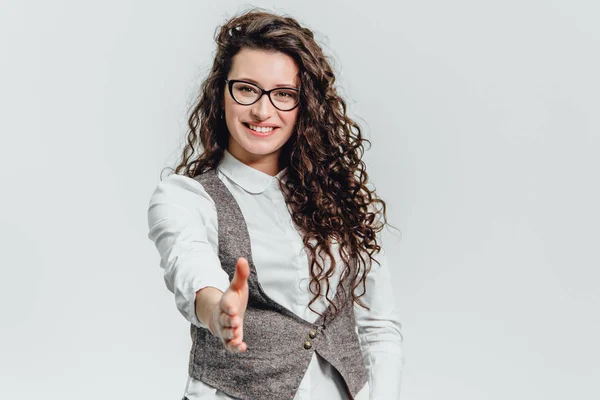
<point x="484" y="118"/>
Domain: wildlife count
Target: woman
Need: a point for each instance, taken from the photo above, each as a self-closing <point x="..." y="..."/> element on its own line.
<point x="269" y="236"/>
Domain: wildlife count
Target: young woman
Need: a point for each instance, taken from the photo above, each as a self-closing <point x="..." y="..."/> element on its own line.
<point x="269" y="235"/>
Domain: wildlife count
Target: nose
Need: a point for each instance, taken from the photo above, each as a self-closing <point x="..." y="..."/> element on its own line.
<point x="263" y="108"/>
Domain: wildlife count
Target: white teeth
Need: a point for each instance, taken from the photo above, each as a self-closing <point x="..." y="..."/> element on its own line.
<point x="261" y="129"/>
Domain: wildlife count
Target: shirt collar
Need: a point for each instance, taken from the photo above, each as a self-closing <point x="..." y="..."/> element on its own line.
<point x="248" y="178"/>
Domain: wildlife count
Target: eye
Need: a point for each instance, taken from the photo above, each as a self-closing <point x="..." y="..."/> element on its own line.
<point x="247" y="89"/>
<point x="286" y="94"/>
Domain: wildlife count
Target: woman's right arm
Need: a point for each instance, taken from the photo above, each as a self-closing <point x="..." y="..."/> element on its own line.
<point x="182" y="223"/>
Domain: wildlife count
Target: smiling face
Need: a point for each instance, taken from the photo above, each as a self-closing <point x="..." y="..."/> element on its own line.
<point x="260" y="147"/>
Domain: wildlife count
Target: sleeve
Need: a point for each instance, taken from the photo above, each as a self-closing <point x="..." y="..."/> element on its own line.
<point x="380" y="333"/>
<point x="182" y="223"/>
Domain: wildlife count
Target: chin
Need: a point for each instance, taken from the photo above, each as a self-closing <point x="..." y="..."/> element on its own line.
<point x="261" y="146"/>
<point x="261" y="150"/>
<point x="253" y="148"/>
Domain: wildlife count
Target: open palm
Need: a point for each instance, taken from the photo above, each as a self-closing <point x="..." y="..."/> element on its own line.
<point x="228" y="315"/>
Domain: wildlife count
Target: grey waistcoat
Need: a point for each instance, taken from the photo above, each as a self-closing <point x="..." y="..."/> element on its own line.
<point x="280" y="344"/>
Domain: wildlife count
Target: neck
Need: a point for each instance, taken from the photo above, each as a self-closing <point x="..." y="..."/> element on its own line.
<point x="268" y="163"/>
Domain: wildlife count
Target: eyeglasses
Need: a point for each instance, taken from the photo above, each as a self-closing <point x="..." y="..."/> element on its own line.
<point x="246" y="93"/>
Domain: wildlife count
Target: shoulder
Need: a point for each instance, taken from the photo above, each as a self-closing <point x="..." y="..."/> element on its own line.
<point x="175" y="186"/>
<point x="182" y="191"/>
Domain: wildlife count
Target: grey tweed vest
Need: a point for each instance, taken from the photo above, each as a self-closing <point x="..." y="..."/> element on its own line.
<point x="280" y="344"/>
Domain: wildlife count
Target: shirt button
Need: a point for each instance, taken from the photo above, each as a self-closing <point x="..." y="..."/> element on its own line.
<point x="307" y="345"/>
<point x="312" y="334"/>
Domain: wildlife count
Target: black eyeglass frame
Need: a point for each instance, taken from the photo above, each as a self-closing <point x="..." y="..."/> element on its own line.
<point x="231" y="82"/>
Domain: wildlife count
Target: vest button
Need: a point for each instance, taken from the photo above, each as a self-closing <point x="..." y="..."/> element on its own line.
<point x="312" y="334"/>
<point x="307" y="345"/>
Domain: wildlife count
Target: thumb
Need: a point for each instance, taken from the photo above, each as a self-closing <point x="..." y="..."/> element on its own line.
<point x="240" y="277"/>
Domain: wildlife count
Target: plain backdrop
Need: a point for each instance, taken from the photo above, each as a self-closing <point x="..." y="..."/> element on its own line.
<point x="484" y="122"/>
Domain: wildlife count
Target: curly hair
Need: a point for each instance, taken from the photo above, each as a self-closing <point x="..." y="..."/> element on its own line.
<point x="326" y="180"/>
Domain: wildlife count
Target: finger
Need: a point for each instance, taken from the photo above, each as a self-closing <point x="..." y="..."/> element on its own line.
<point x="228" y="321"/>
<point x="228" y="334"/>
<point x="236" y="341"/>
<point x="228" y="307"/>
<point x="240" y="277"/>
<point x="241" y="347"/>
<point x="238" y="336"/>
<point x="236" y="348"/>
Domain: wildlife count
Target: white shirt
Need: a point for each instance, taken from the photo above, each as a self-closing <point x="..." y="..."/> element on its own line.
<point x="182" y="222"/>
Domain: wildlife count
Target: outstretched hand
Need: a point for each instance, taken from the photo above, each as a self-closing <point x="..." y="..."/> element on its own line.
<point x="227" y="322"/>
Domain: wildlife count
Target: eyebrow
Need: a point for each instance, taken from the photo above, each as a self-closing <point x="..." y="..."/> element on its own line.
<point x="285" y="85"/>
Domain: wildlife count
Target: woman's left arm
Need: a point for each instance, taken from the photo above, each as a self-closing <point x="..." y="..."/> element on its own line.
<point x="379" y="332"/>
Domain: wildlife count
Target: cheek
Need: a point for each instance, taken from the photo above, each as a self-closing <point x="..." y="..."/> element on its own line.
<point x="230" y="107"/>
<point x="233" y="113"/>
<point x="290" y="118"/>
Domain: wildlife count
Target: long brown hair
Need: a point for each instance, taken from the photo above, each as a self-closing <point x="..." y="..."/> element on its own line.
<point x="326" y="180"/>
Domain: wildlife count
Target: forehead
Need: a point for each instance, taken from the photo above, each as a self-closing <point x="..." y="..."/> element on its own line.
<point x="267" y="68"/>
